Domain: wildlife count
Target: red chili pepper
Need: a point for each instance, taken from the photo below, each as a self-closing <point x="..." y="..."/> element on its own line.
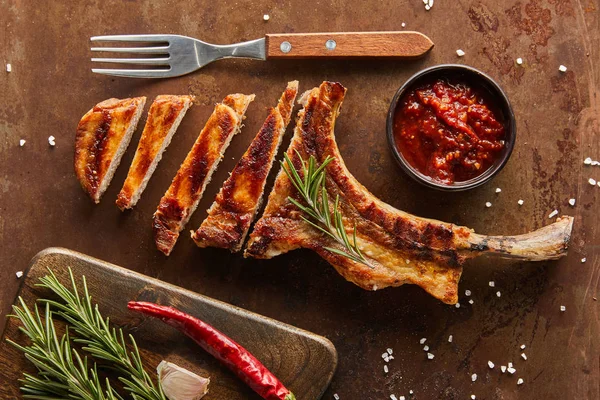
<point x="232" y="355"/>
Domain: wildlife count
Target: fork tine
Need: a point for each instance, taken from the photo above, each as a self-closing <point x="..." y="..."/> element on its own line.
<point x="134" y="73"/>
<point x="139" y="61"/>
<point x="131" y="38"/>
<point x="157" y="49"/>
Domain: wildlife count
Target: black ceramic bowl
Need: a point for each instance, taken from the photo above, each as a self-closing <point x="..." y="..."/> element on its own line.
<point x="493" y="93"/>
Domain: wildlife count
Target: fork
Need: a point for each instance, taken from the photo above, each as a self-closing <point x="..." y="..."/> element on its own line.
<point x="176" y="55"/>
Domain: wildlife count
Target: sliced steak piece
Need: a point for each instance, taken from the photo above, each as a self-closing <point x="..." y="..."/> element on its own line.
<point x="164" y="117"/>
<point x="181" y="199"/>
<point x="235" y="206"/>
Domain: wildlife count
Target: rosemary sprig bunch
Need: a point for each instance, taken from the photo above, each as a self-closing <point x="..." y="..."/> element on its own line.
<point x="311" y="186"/>
<point x="99" y="339"/>
<point x="62" y="373"/>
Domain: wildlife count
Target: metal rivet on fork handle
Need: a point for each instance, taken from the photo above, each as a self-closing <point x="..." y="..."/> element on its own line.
<point x="330" y="44"/>
<point x="285" y="47"/>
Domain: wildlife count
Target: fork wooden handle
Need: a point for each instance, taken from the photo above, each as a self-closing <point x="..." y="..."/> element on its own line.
<point x="347" y="44"/>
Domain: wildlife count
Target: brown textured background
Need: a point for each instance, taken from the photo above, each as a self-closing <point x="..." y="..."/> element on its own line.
<point x="41" y="204"/>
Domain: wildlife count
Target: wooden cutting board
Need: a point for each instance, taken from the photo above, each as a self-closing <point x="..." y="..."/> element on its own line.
<point x="305" y="362"/>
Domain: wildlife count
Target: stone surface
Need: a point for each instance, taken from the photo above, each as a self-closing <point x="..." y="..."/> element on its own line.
<point x="51" y="87"/>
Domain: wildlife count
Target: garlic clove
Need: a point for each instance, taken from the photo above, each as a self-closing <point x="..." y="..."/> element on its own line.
<point x="179" y="383"/>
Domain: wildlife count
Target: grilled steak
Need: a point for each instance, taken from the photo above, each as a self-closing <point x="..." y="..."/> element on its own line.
<point x="400" y="247"/>
<point x="164" y="117"/>
<point x="184" y="194"/>
<point x="103" y="135"/>
<point x="235" y="206"/>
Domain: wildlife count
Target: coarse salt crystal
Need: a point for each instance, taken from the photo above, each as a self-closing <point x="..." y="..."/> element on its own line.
<point x="473" y="397"/>
<point x="592" y="181"/>
<point x="457" y="305"/>
<point x="583" y="259"/>
<point x="385" y="355"/>
<point x="467" y="292"/>
<point x="488" y="204"/>
<point x="520" y="202"/>
<point x="390" y="351"/>
<point x="410" y="392"/>
<point x="336" y="397"/>
<point x="385" y="369"/>
<point x="510" y="365"/>
<point x="430" y="3"/>
<point x="562" y="68"/>
<point x="519" y="61"/>
<point x="19" y="274"/>
<point x="523" y="356"/>
<point x="595" y="162"/>
<point x="520" y="381"/>
<point x="563" y="308"/>
<point x="266" y="17"/>
<point x="450" y="339"/>
<point x="403" y="24"/>
<point x="430" y="356"/>
<point x="460" y="53"/>
<point x="393" y="397"/>
<point x="490" y="364"/>
<point x="523" y="347"/>
<point x="423" y="340"/>
<point x="511" y="370"/>
<point x="498" y="190"/>
<point x="402" y="398"/>
<point x="390" y="358"/>
<point x="588" y="161"/>
<point x="572" y="202"/>
<point x="474" y="377"/>
<point x="498" y="293"/>
<point x="553" y="214"/>
<point x="51" y="140"/>
<point x="8" y="68"/>
<point x="492" y="284"/>
<point x="425" y="348"/>
<point x="503" y="368"/>
<point x="471" y="301"/>
<point x="22" y="142"/>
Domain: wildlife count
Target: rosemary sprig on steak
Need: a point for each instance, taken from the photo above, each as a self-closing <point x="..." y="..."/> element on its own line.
<point x="311" y="187"/>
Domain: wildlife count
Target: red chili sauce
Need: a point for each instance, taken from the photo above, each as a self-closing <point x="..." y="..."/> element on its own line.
<point x="447" y="131"/>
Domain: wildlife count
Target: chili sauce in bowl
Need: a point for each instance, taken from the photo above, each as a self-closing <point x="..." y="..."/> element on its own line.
<point x="451" y="127"/>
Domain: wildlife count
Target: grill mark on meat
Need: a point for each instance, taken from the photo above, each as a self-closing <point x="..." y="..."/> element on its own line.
<point x="250" y="166"/>
<point x="403" y="248"/>
<point x="95" y="167"/>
